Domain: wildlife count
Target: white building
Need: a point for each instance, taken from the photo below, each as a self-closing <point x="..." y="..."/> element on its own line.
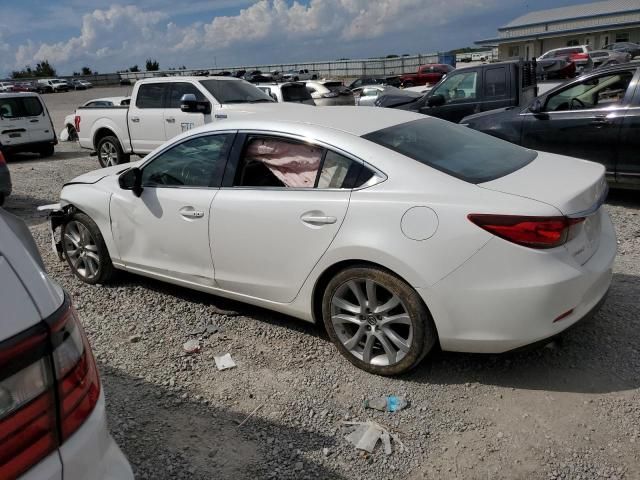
<point x="596" y="24"/>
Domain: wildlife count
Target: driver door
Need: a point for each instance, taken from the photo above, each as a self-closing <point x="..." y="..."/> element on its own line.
<point x="582" y="120"/>
<point x="165" y="231"/>
<point x="460" y="92"/>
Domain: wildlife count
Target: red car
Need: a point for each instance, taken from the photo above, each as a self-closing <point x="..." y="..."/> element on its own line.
<point x="429" y="74"/>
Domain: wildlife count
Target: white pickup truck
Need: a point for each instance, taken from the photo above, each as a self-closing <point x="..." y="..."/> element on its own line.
<point x="162" y="108"/>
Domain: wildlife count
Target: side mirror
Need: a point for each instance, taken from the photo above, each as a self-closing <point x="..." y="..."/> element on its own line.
<point x="189" y="104"/>
<point x="436" y="101"/>
<point x="131" y="180"/>
<point x="536" y="106"/>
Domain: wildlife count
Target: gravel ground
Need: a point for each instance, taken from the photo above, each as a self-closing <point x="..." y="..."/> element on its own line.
<point x="568" y="410"/>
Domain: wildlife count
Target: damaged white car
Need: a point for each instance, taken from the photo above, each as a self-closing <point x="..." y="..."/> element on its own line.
<point x="398" y="231"/>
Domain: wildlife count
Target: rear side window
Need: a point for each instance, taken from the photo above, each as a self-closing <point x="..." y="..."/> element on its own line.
<point x="150" y="95"/>
<point x="458" y="151"/>
<point x="295" y="93"/>
<point x="495" y="82"/>
<point x="16" y="107"/>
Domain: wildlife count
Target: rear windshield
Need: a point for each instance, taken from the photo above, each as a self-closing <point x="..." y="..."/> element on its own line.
<point x="295" y="93"/>
<point x="15" y="107"/>
<point x="230" y="91"/>
<point x="337" y="87"/>
<point x="459" y="151"/>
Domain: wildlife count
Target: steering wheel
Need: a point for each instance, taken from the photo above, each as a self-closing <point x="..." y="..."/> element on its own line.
<point x="577" y="100"/>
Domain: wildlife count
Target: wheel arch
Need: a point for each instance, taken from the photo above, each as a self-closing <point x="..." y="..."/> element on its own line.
<point x="328" y="273"/>
<point x="102" y="132"/>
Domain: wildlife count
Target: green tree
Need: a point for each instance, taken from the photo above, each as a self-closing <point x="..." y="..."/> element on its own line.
<point x="43" y="69"/>
<point x="152" y="65"/>
<point x="86" y="71"/>
<point x="135" y="68"/>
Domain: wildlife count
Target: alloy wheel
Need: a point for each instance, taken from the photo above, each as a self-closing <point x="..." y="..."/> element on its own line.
<point x="371" y="322"/>
<point x="81" y="249"/>
<point x="108" y="154"/>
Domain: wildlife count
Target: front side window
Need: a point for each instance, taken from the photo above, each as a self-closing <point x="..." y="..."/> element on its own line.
<point x="182" y="88"/>
<point x="598" y="92"/>
<point x="285" y="163"/>
<point x="458" y="86"/>
<point x="151" y="95"/>
<point x="198" y="162"/>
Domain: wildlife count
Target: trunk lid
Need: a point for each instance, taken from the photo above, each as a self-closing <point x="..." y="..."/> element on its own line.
<point x="577" y="188"/>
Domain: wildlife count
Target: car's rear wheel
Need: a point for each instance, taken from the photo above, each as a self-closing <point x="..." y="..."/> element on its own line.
<point x="408" y="84"/>
<point x="377" y="321"/>
<point x="85" y="250"/>
<point x="73" y="134"/>
<point x="110" y="152"/>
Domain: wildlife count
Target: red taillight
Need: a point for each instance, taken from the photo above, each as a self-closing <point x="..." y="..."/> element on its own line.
<point x="534" y="232"/>
<point x="3" y="161"/>
<point x="76" y="373"/>
<point x="579" y="56"/>
<point x="33" y="366"/>
<point x="76" y="123"/>
<point x="28" y="430"/>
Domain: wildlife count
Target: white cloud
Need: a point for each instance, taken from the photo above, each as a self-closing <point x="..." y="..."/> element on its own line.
<point x="115" y="37"/>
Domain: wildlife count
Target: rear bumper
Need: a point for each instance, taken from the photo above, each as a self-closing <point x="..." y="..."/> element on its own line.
<point x="507" y="296"/>
<point x="29" y="146"/>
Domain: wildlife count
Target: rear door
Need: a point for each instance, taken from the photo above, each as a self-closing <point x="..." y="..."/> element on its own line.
<point x="583" y="120"/>
<point x="146" y="117"/>
<point x="14" y="125"/>
<point x="283" y="205"/>
<point x="628" y="162"/>
<point x="175" y="120"/>
<point x="37" y="117"/>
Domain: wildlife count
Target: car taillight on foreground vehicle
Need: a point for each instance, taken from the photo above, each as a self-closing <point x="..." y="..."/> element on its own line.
<point x="3" y="161"/>
<point x="49" y="385"/>
<point x="534" y="232"/>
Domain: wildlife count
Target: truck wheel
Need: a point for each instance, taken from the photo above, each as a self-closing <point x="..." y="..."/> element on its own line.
<point x="110" y="152"/>
<point x="46" y="151"/>
<point x="314" y="77"/>
<point x="296" y="79"/>
<point x="408" y="84"/>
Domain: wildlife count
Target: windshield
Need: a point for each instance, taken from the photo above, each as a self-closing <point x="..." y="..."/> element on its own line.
<point x="229" y="91"/>
<point x="456" y="150"/>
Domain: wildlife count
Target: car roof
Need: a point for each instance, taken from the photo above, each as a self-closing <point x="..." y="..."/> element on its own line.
<point x="190" y="78"/>
<point x="18" y="94"/>
<point x="351" y="120"/>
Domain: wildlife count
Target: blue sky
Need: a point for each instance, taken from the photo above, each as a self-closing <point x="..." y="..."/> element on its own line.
<point x="109" y="36"/>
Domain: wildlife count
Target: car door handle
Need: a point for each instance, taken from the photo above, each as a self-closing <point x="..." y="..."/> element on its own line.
<point x="318" y="219"/>
<point x="170" y="120"/>
<point x="135" y="119"/>
<point x="190" y="212"/>
<point x="35" y="120"/>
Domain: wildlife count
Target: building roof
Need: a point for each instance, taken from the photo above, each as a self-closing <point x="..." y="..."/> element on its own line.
<point x="607" y="7"/>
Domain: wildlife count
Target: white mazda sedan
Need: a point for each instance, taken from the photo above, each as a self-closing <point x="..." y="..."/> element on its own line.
<point x="396" y="230"/>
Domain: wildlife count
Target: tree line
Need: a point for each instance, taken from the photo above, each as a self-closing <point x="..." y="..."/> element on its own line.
<point x="45" y="69"/>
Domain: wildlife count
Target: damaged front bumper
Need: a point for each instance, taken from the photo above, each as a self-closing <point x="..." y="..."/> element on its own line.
<point x="57" y="216"/>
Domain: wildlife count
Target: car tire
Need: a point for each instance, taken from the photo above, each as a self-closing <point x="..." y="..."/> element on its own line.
<point x="73" y="134"/>
<point x="47" y="151"/>
<point x="389" y="339"/>
<point x="296" y="79"/>
<point x="85" y="251"/>
<point x="408" y="85"/>
<point x="110" y="152"/>
<point x="1" y="199"/>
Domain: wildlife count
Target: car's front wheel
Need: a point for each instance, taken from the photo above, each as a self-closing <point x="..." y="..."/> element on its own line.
<point x="47" y="151"/>
<point x="85" y="250"/>
<point x="377" y="321"/>
<point x="110" y="152"/>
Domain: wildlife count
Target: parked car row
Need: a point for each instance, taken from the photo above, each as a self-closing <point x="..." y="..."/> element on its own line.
<point x="45" y="85"/>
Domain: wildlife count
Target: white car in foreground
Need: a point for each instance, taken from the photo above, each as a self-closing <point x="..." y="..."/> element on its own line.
<point x="52" y="411"/>
<point x="398" y="231"/>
